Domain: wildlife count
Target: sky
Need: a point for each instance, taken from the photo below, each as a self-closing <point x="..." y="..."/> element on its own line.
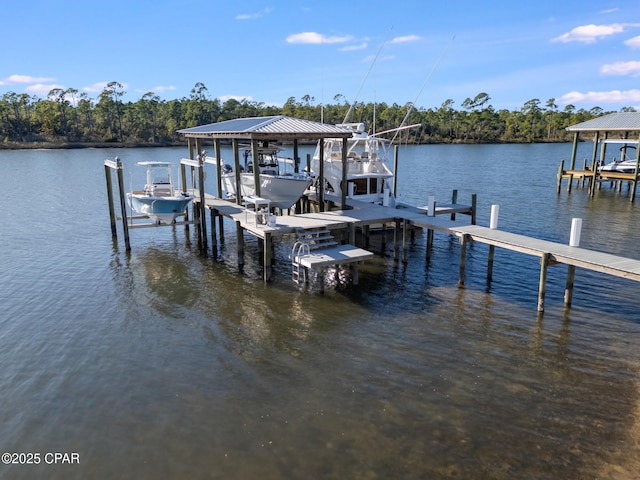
<point x="584" y="53"/>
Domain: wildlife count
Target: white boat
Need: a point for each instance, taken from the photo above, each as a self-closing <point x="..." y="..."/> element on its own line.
<point x="283" y="188"/>
<point x="626" y="163"/>
<point x="369" y="170"/>
<point x="159" y="200"/>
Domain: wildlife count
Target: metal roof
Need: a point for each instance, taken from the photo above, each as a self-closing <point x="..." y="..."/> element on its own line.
<point x="613" y="122"/>
<point x="267" y="128"/>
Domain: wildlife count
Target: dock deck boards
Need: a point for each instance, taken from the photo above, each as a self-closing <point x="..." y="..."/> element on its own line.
<point x="577" y="256"/>
<point x="366" y="214"/>
<point x="340" y="255"/>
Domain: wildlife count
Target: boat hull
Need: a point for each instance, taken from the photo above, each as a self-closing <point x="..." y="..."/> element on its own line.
<point x="282" y="190"/>
<point x="159" y="209"/>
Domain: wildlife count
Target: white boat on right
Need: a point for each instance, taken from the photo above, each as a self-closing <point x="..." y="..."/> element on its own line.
<point x="369" y="172"/>
<point x="626" y="163"/>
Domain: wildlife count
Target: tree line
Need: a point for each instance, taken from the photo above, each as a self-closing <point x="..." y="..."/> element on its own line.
<point x="68" y="117"/>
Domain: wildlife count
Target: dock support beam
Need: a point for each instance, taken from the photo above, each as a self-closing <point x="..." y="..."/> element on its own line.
<point x="117" y="166"/>
<point x="463" y="259"/>
<point x="544" y="265"/>
<point x="266" y="257"/>
<point x="568" y="290"/>
<point x="240" y="243"/>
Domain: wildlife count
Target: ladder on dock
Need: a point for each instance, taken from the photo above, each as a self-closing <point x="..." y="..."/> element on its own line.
<point x="309" y="239"/>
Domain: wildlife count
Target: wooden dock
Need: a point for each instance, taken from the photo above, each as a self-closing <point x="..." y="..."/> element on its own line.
<point x="402" y="218"/>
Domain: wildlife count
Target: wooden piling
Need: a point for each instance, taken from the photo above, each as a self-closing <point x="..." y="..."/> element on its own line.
<point x="112" y="212"/>
<point x="240" y="242"/>
<point x="123" y="204"/>
<point x="492" y="249"/>
<point x="568" y="290"/>
<point x="463" y="259"/>
<point x="544" y="265"/>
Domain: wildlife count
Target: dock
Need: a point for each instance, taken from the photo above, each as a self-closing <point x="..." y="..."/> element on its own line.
<point x="613" y="129"/>
<point x="334" y="222"/>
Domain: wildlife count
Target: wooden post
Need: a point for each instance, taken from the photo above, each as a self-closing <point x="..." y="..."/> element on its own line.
<point x="492" y="249"/>
<point x="568" y="290"/>
<point x="112" y="212"/>
<point x="405" y="227"/>
<point x="454" y="201"/>
<point x="213" y="213"/>
<point x="218" y="154"/>
<point x="321" y="177"/>
<point x="236" y="169"/>
<point x="202" y="205"/>
<point x="343" y="181"/>
<point x="560" y="170"/>
<point x="429" y="243"/>
<point x="266" y="257"/>
<point x="574" y="150"/>
<point x="256" y="167"/>
<point x="123" y="204"/>
<point x="240" y="243"/>
<point x="396" y="243"/>
<point x="635" y="176"/>
<point x="474" y="207"/>
<point x="594" y="163"/>
<point x="463" y="259"/>
<point x="544" y="264"/>
<point x="395" y="170"/>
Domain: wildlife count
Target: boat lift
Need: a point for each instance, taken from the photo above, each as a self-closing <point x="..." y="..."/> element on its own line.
<point x="127" y="220"/>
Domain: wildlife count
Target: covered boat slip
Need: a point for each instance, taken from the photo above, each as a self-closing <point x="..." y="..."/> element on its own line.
<point x="620" y="129"/>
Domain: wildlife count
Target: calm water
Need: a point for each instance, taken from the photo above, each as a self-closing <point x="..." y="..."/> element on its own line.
<point x="162" y="363"/>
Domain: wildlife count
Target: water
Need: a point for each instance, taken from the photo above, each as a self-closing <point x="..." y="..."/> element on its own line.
<point x="161" y="363"/>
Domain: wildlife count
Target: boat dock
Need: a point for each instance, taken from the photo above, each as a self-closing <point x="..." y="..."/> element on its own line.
<point x="616" y="128"/>
<point x="336" y="220"/>
<point x="550" y="253"/>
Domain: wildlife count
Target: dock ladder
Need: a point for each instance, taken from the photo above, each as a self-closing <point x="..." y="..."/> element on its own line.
<point x="309" y="239"/>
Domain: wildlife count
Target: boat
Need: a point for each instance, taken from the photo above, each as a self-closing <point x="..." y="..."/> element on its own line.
<point x="626" y="163"/>
<point x="159" y="200"/>
<point x="369" y="170"/>
<point x="281" y="187"/>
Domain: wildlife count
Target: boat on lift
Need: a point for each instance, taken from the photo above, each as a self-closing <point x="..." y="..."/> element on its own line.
<point x="369" y="172"/>
<point x="626" y="163"/>
<point x="279" y="184"/>
<point x="159" y="200"/>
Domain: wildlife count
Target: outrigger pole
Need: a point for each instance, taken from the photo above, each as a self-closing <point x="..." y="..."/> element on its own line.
<point x="423" y="85"/>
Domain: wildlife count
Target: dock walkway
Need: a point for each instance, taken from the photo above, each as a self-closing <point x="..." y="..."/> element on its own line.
<point x="362" y="215"/>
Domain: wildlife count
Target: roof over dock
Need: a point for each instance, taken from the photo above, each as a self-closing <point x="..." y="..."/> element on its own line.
<point x="274" y="128"/>
<point x="613" y="122"/>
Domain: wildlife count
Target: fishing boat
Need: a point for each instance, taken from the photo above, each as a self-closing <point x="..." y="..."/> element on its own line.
<point x="282" y="187"/>
<point x="626" y="163"/>
<point x="159" y="200"/>
<point x="369" y="172"/>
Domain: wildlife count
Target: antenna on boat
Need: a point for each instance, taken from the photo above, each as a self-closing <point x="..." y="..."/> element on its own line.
<point x="433" y="69"/>
<point x="366" y="76"/>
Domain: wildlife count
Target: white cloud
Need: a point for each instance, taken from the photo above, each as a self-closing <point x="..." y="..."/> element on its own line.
<point x="406" y="38"/>
<point x="625" y="98"/>
<point x="12" y="79"/>
<point x="351" y="48"/>
<point x="253" y="16"/>
<point x="621" y="68"/>
<point x="98" y="87"/>
<point x="590" y="33"/>
<point x="41" y="90"/>
<point x="317" y="38"/>
<point x="162" y="88"/>
<point x="633" y="42"/>
<point x="239" y="98"/>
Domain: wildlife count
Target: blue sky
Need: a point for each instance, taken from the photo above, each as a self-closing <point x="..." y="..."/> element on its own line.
<point x="580" y="52"/>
